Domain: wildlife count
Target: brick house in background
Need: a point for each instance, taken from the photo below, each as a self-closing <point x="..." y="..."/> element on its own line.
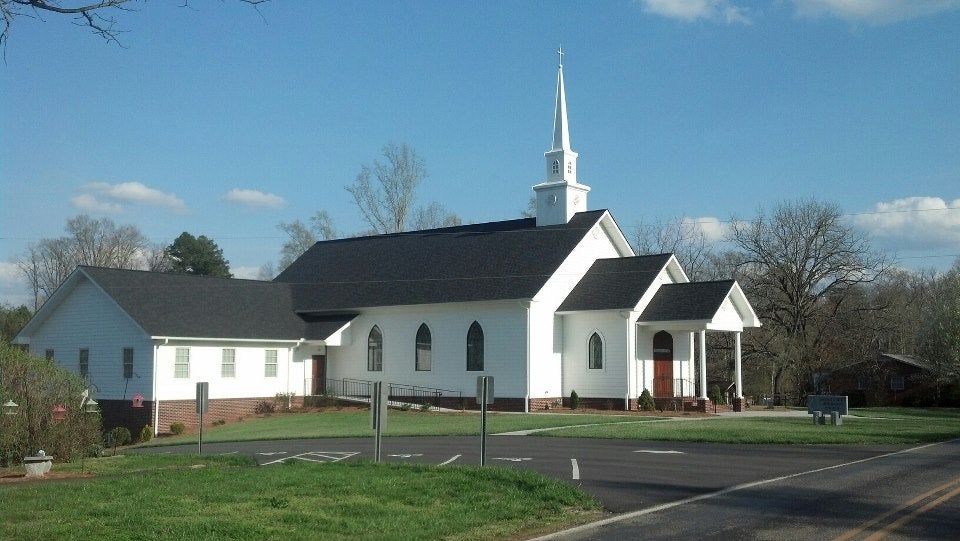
<point x="888" y="380"/>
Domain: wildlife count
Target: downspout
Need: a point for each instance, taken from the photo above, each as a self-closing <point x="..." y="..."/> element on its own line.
<point x="526" y="400"/>
<point x="156" y="399"/>
<point x="289" y="368"/>
<point x="630" y="360"/>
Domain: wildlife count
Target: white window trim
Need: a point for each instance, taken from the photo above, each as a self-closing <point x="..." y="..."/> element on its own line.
<point x="416" y="351"/>
<point x="267" y="364"/>
<point x="177" y="364"/>
<point x="232" y="364"/>
<point x="603" y="351"/>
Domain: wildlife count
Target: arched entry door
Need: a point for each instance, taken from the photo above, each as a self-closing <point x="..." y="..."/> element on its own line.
<point x="662" y="365"/>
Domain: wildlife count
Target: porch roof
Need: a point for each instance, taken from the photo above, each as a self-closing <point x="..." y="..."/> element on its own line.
<point x="702" y="302"/>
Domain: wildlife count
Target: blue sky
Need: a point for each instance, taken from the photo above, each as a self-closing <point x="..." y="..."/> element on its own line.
<point x="220" y="120"/>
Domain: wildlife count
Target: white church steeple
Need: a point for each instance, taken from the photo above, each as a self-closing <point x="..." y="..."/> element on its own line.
<point x="560" y="196"/>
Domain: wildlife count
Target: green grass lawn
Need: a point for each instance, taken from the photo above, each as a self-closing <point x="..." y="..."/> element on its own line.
<point x="864" y="426"/>
<point x="341" y="424"/>
<point x="187" y="497"/>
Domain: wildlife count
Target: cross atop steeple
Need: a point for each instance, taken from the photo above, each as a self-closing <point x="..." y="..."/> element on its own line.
<point x="560" y="52"/>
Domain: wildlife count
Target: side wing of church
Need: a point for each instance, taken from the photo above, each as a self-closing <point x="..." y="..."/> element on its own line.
<point x="545" y="305"/>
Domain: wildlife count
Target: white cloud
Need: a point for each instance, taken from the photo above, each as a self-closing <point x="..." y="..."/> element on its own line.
<point x="253" y="198"/>
<point x="247" y="273"/>
<point x="691" y="10"/>
<point x="914" y="223"/>
<point x="131" y="192"/>
<point x="89" y="203"/>
<point x="712" y="228"/>
<point x="13" y="288"/>
<point x="874" y="12"/>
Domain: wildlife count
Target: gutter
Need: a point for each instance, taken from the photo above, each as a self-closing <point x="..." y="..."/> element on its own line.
<point x="156" y="399"/>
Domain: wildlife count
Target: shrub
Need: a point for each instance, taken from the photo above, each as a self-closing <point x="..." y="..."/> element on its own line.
<point x="574" y="400"/>
<point x="177" y="428"/>
<point x="320" y="401"/>
<point x="219" y="422"/>
<point x="284" y="401"/>
<point x="38" y="386"/>
<point x="646" y="401"/>
<point x="425" y="407"/>
<point x="120" y="435"/>
<point x="146" y="433"/>
<point x="265" y="408"/>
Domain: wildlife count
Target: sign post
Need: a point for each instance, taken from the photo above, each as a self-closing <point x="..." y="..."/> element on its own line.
<point x="485" y="398"/>
<point x="203" y="393"/>
<point x="378" y="415"/>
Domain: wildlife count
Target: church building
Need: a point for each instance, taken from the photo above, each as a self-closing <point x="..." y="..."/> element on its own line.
<point x="546" y="305"/>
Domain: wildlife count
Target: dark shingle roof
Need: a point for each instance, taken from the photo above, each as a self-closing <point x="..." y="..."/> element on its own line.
<point x="166" y="304"/>
<point x="616" y="283"/>
<point x="695" y="301"/>
<point x="492" y="261"/>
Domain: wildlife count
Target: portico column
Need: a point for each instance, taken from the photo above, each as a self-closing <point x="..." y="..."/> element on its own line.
<point x="703" y="365"/>
<point x="738" y="370"/>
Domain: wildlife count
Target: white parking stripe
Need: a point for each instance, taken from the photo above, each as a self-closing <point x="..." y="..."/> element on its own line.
<point x="576" y="469"/>
<point x="451" y="460"/>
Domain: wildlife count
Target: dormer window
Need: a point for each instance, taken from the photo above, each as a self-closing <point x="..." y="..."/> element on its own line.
<point x="556" y="167"/>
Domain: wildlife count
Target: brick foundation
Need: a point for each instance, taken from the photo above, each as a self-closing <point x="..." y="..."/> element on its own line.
<point x="225" y="409"/>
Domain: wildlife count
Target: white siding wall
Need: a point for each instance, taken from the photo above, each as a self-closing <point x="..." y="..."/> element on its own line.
<point x="547" y="336"/>
<point x="727" y="318"/>
<point x="87" y="318"/>
<point x="504" y="331"/>
<point x="250" y="381"/>
<point x="612" y="379"/>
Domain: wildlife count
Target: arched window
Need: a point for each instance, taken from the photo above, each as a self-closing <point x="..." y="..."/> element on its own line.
<point x="556" y="167"/>
<point x="375" y="350"/>
<point x="475" y="347"/>
<point x="570" y="167"/>
<point x="424" y="347"/>
<point x="595" y="353"/>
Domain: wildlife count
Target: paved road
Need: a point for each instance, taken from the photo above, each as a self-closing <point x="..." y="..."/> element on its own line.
<point x="904" y="495"/>
<point x="711" y="491"/>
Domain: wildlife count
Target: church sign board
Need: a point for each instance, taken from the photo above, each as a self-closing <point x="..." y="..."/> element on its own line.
<point x="826" y="403"/>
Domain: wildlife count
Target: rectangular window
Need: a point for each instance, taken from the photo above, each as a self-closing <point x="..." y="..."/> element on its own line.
<point x="84" y="362"/>
<point x="181" y="365"/>
<point x="897" y="383"/>
<point x="270" y="364"/>
<point x="49" y="355"/>
<point x="127" y="363"/>
<point x="228" y="363"/>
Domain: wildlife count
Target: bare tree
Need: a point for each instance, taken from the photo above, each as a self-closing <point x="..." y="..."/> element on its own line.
<point x="156" y="259"/>
<point x="384" y="192"/>
<point x="97" y="15"/>
<point x="100" y="243"/>
<point x="266" y="272"/>
<point x="939" y="339"/>
<point x="300" y="237"/>
<point x="531" y="210"/>
<point x="433" y="216"/>
<point x="801" y="267"/>
<point x="683" y="238"/>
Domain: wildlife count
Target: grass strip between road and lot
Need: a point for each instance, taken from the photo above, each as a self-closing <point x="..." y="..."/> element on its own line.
<point x="159" y="497"/>
<point x="864" y="427"/>
<point x="347" y="424"/>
